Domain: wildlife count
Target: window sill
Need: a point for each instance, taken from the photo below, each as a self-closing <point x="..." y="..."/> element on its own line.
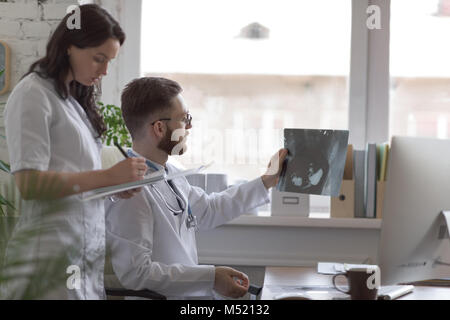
<point x="316" y="220"/>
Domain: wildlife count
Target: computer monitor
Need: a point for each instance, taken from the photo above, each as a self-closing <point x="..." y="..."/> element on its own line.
<point x="414" y="240"/>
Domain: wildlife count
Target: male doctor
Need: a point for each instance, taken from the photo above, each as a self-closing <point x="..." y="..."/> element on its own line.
<point x="151" y="237"/>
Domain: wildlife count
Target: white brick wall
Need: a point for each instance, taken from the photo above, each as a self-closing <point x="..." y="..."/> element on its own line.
<point x="19" y="10"/>
<point x="55" y="11"/>
<point x="25" y="25"/>
<point x="36" y="30"/>
<point x="9" y="29"/>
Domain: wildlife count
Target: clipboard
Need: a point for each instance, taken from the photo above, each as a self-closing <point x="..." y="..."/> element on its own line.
<point x="149" y="179"/>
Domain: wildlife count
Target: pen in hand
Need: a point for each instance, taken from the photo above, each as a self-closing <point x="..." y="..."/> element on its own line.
<point x="128" y="193"/>
<point x="120" y="148"/>
<point x="124" y="153"/>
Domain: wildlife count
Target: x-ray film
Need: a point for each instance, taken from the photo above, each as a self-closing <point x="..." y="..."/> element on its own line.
<point x="315" y="161"/>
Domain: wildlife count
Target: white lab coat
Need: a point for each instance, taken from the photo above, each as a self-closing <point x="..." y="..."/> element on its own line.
<point x="151" y="248"/>
<point x="45" y="132"/>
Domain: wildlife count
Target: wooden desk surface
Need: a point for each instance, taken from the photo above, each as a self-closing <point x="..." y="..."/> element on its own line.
<point x="298" y="279"/>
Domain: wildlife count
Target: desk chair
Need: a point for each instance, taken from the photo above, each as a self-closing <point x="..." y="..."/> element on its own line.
<point x="113" y="288"/>
<point x="117" y="291"/>
<point x="120" y="292"/>
<point x="149" y="294"/>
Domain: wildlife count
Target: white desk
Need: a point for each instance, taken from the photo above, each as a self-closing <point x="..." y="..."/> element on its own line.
<point x="280" y="279"/>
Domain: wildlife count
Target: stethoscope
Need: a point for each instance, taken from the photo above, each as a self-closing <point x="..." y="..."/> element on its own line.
<point x="191" y="220"/>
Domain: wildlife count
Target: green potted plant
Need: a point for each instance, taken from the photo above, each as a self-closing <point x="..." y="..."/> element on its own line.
<point x="19" y="266"/>
<point x="116" y="131"/>
<point x="4" y="167"/>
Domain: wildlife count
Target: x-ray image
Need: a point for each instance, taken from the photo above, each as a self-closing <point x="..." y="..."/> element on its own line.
<point x="315" y="162"/>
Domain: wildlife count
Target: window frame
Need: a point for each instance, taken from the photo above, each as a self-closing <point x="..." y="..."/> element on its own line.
<point x="369" y="78"/>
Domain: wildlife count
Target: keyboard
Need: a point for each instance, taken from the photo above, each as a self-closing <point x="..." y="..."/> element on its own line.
<point x="394" y="292"/>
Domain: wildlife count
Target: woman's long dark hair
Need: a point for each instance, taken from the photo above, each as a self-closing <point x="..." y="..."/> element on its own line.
<point x="97" y="26"/>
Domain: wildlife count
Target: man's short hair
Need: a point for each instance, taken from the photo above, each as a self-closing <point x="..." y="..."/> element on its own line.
<point x="145" y="97"/>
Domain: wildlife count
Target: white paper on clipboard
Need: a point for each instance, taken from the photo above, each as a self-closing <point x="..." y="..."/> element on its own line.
<point x="149" y="179"/>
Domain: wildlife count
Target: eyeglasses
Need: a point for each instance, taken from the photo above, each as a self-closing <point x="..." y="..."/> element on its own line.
<point x="187" y="120"/>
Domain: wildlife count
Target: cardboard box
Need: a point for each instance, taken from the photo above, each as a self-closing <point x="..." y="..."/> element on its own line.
<point x="289" y="204"/>
<point x="343" y="206"/>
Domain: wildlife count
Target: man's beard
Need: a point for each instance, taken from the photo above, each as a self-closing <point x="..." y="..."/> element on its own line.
<point x="167" y="145"/>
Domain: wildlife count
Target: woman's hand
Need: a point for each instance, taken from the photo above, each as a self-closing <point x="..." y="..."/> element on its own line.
<point x="47" y="185"/>
<point x="128" y="170"/>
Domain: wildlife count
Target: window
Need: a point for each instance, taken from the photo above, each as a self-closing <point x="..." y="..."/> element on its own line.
<point x="420" y="68"/>
<point x="248" y="69"/>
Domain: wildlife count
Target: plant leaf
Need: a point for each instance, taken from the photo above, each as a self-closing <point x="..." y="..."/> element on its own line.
<point x="116" y="129"/>
<point x="5" y="166"/>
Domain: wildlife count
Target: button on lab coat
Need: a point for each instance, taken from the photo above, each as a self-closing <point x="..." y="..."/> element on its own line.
<point x="151" y="248"/>
<point x="45" y="132"/>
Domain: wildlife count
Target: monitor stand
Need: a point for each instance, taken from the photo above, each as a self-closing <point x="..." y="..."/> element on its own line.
<point x="444" y="233"/>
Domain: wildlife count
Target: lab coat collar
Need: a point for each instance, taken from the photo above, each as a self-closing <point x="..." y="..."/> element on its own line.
<point x="152" y="166"/>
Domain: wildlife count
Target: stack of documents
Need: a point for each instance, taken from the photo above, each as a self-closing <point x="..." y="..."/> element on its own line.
<point x="370" y="180"/>
<point x="370" y="167"/>
<point x="335" y="268"/>
<point x="443" y="282"/>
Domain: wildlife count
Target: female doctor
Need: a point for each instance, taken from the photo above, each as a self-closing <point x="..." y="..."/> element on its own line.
<point x="53" y="131"/>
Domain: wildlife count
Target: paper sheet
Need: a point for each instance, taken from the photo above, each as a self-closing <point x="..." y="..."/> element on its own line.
<point x="335" y="268"/>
